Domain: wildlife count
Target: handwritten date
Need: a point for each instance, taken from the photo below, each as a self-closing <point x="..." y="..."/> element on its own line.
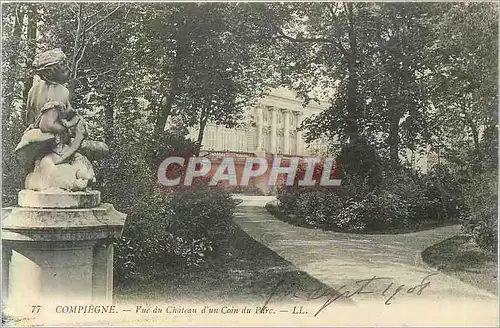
<point x="363" y="286"/>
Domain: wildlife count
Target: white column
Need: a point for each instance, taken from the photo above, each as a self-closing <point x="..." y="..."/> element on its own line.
<point x="286" y="133"/>
<point x="260" y="123"/>
<point x="273" y="130"/>
<point x="300" y="150"/>
<point x="219" y="138"/>
<point x="233" y="141"/>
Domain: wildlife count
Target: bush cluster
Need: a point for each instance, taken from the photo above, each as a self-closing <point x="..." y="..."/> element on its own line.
<point x="402" y="199"/>
<point x="194" y="225"/>
<point x="480" y="220"/>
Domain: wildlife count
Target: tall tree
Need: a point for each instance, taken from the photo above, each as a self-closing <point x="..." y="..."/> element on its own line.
<point x="31" y="44"/>
<point x="226" y="69"/>
<point x="394" y="86"/>
<point x="212" y="63"/>
<point x="335" y="37"/>
<point x="19" y="31"/>
<point x="369" y="61"/>
<point x="13" y="17"/>
<point x="465" y="83"/>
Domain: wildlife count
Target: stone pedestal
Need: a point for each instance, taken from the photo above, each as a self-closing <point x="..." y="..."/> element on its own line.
<point x="58" y="248"/>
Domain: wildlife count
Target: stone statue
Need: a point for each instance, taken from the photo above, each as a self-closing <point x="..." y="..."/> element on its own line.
<point x="53" y="147"/>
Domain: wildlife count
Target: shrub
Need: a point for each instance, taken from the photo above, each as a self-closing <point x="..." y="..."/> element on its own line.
<point x="354" y="187"/>
<point x="167" y="228"/>
<point x="317" y="208"/>
<point x="361" y="159"/>
<point x="402" y="199"/>
<point x="481" y="220"/>
<point x="444" y="192"/>
<point x="409" y="187"/>
<point x="202" y="213"/>
<point x="194" y="224"/>
<point x="310" y="205"/>
<point x="378" y="211"/>
<point x="12" y="174"/>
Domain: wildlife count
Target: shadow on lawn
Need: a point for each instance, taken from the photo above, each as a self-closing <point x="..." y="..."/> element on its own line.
<point x="457" y="256"/>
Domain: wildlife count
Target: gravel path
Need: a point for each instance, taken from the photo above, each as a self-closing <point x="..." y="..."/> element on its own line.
<point x="341" y="260"/>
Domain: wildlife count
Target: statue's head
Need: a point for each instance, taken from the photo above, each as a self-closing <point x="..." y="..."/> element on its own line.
<point x="52" y="66"/>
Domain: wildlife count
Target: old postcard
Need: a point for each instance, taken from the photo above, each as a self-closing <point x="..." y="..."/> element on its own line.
<point x="250" y="164"/>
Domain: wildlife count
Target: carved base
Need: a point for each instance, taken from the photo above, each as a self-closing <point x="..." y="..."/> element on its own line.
<point x="62" y="255"/>
<point x="59" y="199"/>
<point x="51" y="224"/>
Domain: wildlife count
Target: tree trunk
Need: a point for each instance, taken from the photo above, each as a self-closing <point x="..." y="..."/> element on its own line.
<point x="109" y="119"/>
<point x="165" y="110"/>
<point x="394" y="138"/>
<point x="78" y="50"/>
<point x="397" y="106"/>
<point x="477" y="145"/>
<point x="11" y="77"/>
<point x="475" y="136"/>
<point x="352" y="124"/>
<point x="203" y="124"/>
<point x="475" y="133"/>
<point x="31" y="53"/>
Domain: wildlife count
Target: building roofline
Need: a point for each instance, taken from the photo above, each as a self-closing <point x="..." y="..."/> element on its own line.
<point x="312" y="106"/>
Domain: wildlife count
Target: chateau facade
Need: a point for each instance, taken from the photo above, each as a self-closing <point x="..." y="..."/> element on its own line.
<point x="270" y="128"/>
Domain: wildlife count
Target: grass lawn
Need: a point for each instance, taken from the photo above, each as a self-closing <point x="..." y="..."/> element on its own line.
<point x="246" y="271"/>
<point x="460" y="258"/>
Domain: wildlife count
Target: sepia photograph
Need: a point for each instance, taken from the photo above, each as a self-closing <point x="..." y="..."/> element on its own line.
<point x="249" y="164"/>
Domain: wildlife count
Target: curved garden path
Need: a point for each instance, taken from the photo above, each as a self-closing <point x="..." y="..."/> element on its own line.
<point x="339" y="259"/>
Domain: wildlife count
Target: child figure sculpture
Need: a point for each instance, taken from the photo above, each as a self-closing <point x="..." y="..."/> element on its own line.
<point x="52" y="144"/>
